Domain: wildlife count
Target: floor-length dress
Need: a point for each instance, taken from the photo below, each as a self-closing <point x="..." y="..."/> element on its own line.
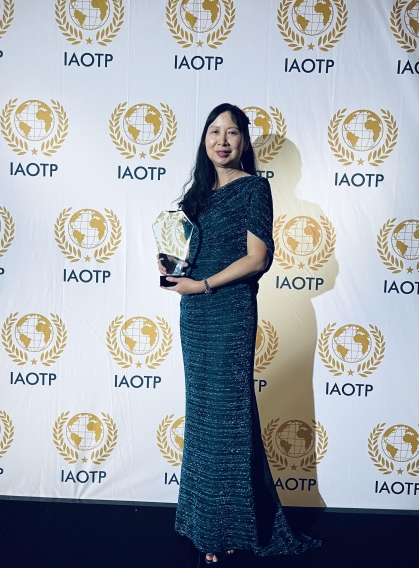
<point x="227" y="498"/>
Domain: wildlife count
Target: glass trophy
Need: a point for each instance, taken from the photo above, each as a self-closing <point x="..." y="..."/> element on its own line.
<point x="172" y="231"/>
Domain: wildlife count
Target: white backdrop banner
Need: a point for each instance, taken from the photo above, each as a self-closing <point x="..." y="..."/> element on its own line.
<point x="101" y="107"/>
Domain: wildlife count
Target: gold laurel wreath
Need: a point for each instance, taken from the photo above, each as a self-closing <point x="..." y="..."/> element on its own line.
<point x="383" y="465"/>
<point x="156" y="359"/>
<point x="405" y="40"/>
<point x="266" y="153"/>
<point x="104" y="253"/>
<point x="307" y="464"/>
<point x="16" y="144"/>
<point x="220" y="35"/>
<point x="158" y="150"/>
<point x="105" y="451"/>
<point x="71" y="252"/>
<point x="294" y="40"/>
<point x="333" y="365"/>
<point x="106" y="36"/>
<point x="318" y="260"/>
<point x="53" y="144"/>
<point x="183" y="37"/>
<point x="413" y="468"/>
<point x="263" y="360"/>
<point x="17" y="355"/>
<point x="167" y="241"/>
<point x="9" y="231"/>
<point x="342" y="154"/>
<point x="173" y="457"/>
<point x="125" y="148"/>
<point x="369" y="366"/>
<point x="328" y="41"/>
<point x="50" y="356"/>
<point x="123" y="359"/>
<point x="7" y="18"/>
<point x="9" y="431"/>
<point x="275" y="458"/>
<point x="378" y="156"/>
<point x="72" y="34"/>
<point x="310" y="462"/>
<point x="284" y="259"/>
<point x="65" y="451"/>
<point x="389" y="260"/>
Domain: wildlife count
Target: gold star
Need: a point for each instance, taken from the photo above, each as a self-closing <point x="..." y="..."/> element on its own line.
<point x="410" y="270"/>
<point x="199" y="43"/>
<point x="142" y="155"/>
<point x="33" y="361"/>
<point x="294" y="467"/>
<point x="138" y="364"/>
<point x="34" y="152"/>
<point x="89" y="41"/>
<point x="361" y="162"/>
<point x="87" y="258"/>
<point x="350" y="372"/>
<point x="301" y="265"/>
<point x="310" y="46"/>
<point x="84" y="460"/>
<point x="399" y="471"/>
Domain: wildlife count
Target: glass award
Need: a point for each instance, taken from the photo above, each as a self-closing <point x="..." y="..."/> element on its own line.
<point x="172" y="231"/>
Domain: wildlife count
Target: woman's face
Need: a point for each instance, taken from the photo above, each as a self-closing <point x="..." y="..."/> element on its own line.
<point x="224" y="142"/>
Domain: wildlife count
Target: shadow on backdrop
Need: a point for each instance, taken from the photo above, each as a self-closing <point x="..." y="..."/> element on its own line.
<point x="303" y="237"/>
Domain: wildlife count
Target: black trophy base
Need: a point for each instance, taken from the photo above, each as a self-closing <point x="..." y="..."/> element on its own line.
<point x="166" y="283"/>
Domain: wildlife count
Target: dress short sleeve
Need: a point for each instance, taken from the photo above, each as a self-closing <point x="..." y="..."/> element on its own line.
<point x="259" y="217"/>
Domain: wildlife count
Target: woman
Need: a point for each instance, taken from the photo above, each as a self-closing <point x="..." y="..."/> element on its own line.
<point x="227" y="498"/>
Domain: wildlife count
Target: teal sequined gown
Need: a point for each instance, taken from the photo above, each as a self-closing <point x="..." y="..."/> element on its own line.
<point x="227" y="499"/>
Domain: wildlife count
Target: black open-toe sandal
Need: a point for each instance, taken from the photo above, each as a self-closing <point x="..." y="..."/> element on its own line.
<point x="221" y="556"/>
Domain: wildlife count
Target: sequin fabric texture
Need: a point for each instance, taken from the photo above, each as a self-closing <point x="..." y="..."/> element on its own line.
<point x="227" y="498"/>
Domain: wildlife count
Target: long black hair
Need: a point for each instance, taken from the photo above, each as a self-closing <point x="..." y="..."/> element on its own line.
<point x="203" y="176"/>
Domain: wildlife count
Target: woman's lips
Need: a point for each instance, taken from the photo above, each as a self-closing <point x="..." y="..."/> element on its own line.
<point x="223" y="154"/>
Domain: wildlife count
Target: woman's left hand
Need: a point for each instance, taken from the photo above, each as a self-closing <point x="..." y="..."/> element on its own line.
<point x="185" y="285"/>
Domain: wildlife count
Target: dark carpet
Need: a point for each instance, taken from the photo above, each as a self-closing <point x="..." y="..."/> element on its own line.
<point x="83" y="535"/>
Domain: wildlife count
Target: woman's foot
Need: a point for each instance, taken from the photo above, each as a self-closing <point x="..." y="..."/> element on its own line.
<point x="218" y="557"/>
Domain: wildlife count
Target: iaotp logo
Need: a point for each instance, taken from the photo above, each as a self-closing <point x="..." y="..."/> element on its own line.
<point x="34" y="335"/>
<point x="267" y="131"/>
<point x="202" y="22"/>
<point x="398" y="245"/>
<point x="351" y="135"/>
<point x="404" y="23"/>
<point x="170" y="438"/>
<point x="143" y="129"/>
<point x="34" y="125"/>
<point x="394" y="447"/>
<point x="300" y="22"/>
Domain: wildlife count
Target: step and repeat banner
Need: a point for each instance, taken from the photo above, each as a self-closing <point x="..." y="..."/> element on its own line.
<point x="101" y="108"/>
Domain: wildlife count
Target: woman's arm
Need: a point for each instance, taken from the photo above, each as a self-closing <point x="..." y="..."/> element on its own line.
<point x="255" y="261"/>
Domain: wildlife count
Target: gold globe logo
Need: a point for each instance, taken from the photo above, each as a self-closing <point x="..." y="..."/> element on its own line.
<point x="209" y="21"/>
<point x="85" y="436"/>
<point x="7" y="230"/>
<point x="267" y="131"/>
<point x="31" y="122"/>
<point x="77" y="19"/>
<point x="355" y="349"/>
<point x="130" y="340"/>
<point x="295" y="443"/>
<point x="7" y="431"/>
<point x="88" y="229"/>
<point x="143" y="125"/>
<point x="301" y="21"/>
<point x="303" y="240"/>
<point x="7" y="9"/>
<point x="393" y="447"/>
<point x="266" y="345"/>
<point x="170" y="438"/>
<point x="34" y="333"/>
<point x="404" y="23"/>
<point x="362" y="131"/>
<point x="398" y="245"/>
